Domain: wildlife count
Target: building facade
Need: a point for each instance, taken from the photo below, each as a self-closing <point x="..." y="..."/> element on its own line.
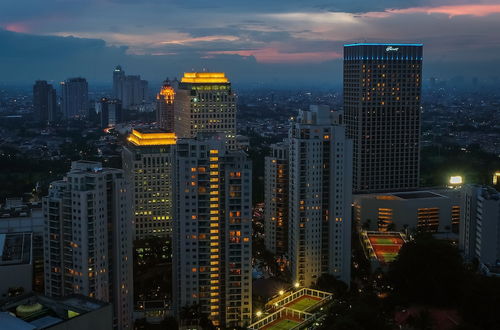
<point x="432" y="211"/>
<point x="382" y="92"/>
<point x="212" y="235"/>
<point x="132" y="91"/>
<point x="165" y="107"/>
<point x="205" y="103"/>
<point x="44" y="102"/>
<point x="276" y="199"/>
<point x="88" y="238"/>
<point x="75" y="98"/>
<point x="480" y="225"/>
<point x="320" y="164"/>
<point x="110" y="112"/>
<point x="147" y="162"/>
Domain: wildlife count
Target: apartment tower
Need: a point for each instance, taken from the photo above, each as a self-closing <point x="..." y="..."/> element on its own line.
<point x="320" y="165"/>
<point x="88" y="246"/>
<point x="212" y="235"/>
<point x="276" y="199"/>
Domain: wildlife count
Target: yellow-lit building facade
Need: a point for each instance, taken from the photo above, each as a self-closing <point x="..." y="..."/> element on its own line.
<point x="212" y="232"/>
<point x="147" y="162"/>
<point x="165" y="107"/>
<point x="205" y="103"/>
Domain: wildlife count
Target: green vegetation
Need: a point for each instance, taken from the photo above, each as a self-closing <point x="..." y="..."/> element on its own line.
<point x="439" y="163"/>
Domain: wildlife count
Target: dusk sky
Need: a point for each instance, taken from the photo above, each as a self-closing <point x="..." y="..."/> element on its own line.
<point x="259" y="41"/>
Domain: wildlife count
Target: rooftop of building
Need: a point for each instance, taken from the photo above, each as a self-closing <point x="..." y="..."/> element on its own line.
<point x="205" y="78"/>
<point x="380" y="44"/>
<point x="382" y="246"/>
<point x="16" y="207"/>
<point x="417" y="195"/>
<point x="151" y="137"/>
<point x="39" y="312"/>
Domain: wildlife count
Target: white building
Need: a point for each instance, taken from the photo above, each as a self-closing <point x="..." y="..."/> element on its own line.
<point x="480" y="225"/>
<point x="320" y="171"/>
<point x="435" y="211"/>
<point x="276" y="199"/>
<point x="88" y="238"/>
<point x="212" y="232"/>
<point x="147" y="162"/>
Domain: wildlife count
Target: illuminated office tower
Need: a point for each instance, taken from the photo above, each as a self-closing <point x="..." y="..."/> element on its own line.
<point x="320" y="171"/>
<point x="276" y="199"/>
<point x="88" y="238"/>
<point x="147" y="162"/>
<point x="165" y="107"/>
<point x="205" y="103"/>
<point x="75" y="98"/>
<point x="382" y="89"/>
<point x="212" y="233"/>
<point x="44" y="102"/>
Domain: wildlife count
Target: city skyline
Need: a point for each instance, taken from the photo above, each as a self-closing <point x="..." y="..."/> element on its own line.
<point x="256" y="43"/>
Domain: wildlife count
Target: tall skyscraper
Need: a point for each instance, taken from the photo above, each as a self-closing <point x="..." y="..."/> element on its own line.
<point x="110" y="112"/>
<point x="165" y="107"/>
<point x="205" y="103"/>
<point x="480" y="224"/>
<point x="320" y="171"/>
<point x="75" y="98"/>
<point x="382" y="89"/>
<point x="276" y="199"/>
<point x="44" y="102"/>
<point x="147" y="162"/>
<point x="88" y="248"/>
<point x="131" y="90"/>
<point x="212" y="233"/>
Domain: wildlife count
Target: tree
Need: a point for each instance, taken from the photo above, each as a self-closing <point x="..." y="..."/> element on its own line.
<point x="428" y="271"/>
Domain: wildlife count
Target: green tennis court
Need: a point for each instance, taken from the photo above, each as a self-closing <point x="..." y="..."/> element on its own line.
<point x="383" y="241"/>
<point x="282" y="325"/>
<point x="303" y="303"/>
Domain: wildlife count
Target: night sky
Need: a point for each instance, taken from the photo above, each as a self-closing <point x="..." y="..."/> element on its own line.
<point x="261" y="41"/>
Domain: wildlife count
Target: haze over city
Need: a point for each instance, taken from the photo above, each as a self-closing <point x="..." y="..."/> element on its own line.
<point x="272" y="42"/>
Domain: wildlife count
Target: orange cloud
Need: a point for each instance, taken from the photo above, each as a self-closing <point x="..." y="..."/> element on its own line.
<point x="200" y="39"/>
<point x="451" y="11"/>
<point x="273" y="55"/>
<point x="17" y="27"/>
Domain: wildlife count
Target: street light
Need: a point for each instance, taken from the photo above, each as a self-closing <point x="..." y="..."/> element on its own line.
<point x="296" y="285"/>
<point x="259" y="313"/>
<point x="281" y="292"/>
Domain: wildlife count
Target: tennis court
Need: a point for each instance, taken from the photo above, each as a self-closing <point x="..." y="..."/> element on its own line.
<point x="303" y="303"/>
<point x="385" y="247"/>
<point x="282" y="324"/>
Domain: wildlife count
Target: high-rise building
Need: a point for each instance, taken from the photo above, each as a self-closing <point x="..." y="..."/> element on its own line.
<point x="480" y="225"/>
<point x="212" y="231"/>
<point x="320" y="171"/>
<point x="147" y="162"/>
<point x="382" y="89"/>
<point x="165" y="107"/>
<point x="44" y="102"/>
<point x="131" y="90"/>
<point x="205" y="103"/>
<point x="109" y="111"/>
<point x="75" y="98"/>
<point x="276" y="199"/>
<point x="88" y="238"/>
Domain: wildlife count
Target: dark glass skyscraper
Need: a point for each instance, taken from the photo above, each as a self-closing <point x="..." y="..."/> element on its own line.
<point x="382" y="89"/>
